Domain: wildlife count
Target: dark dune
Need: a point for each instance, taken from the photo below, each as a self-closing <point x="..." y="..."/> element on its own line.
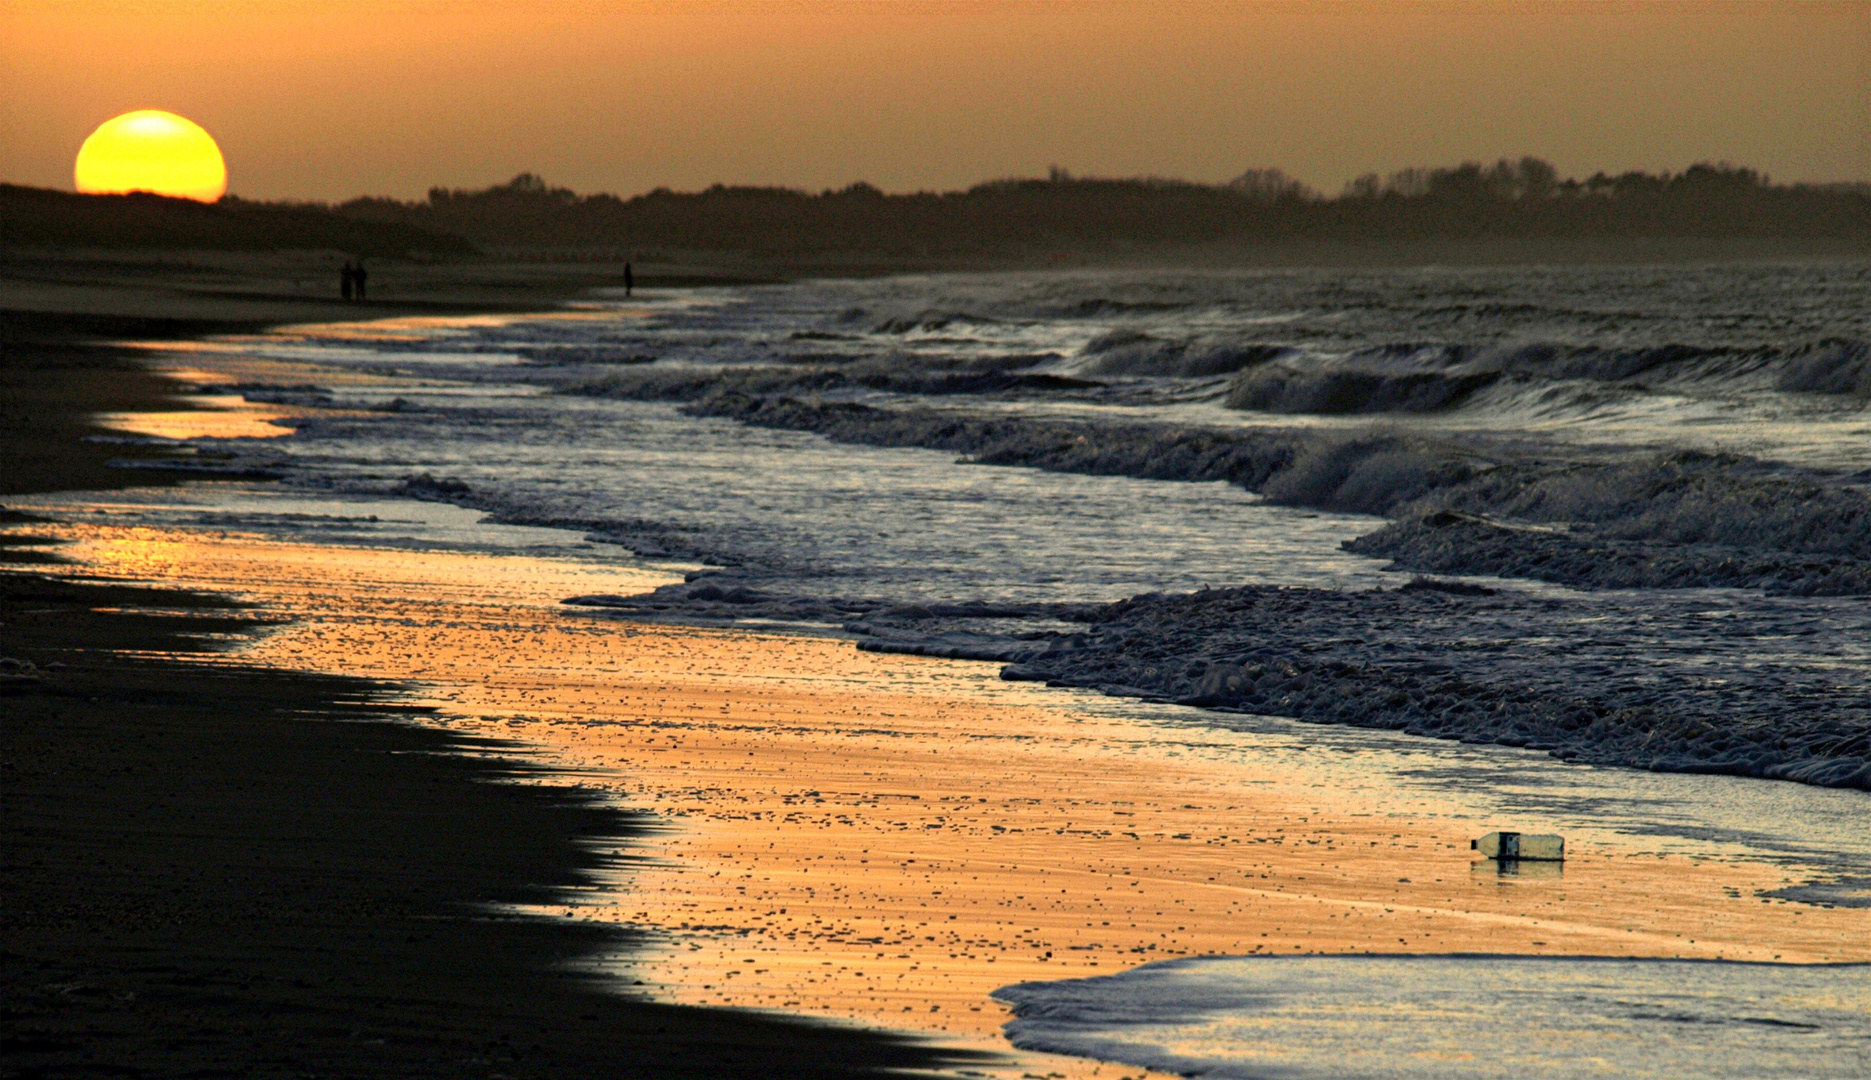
<point x="31" y="217"/>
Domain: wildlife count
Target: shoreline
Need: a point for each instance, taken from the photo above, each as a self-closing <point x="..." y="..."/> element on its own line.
<point x="887" y="839"/>
<point x="244" y="877"/>
<point x="540" y="727"/>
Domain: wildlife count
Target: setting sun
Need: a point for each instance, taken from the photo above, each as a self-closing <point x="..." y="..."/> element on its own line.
<point x="151" y="150"/>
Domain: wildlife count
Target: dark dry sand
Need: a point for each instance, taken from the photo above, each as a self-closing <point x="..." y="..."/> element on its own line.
<point x="220" y="870"/>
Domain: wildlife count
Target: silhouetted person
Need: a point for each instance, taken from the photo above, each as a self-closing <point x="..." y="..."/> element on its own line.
<point x="630" y="280"/>
<point x="345" y="278"/>
<point x="358" y="275"/>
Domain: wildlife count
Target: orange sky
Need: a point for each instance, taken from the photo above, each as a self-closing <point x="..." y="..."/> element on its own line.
<point x="329" y="100"/>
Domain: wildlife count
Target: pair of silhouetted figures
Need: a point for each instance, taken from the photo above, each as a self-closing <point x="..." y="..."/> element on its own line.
<point x="351" y="280"/>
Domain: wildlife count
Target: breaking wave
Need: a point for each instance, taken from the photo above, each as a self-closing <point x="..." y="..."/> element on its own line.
<point x="1403" y="378"/>
<point x="1284" y="389"/>
<point x="695" y="383"/>
<point x="1408" y="378"/>
<point x="1134" y="352"/>
<point x="1674" y="520"/>
<point x="1519" y="425"/>
<point x="1829" y="367"/>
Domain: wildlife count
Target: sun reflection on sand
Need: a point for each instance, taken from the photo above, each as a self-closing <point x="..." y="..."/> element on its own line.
<point x="887" y="839"/>
<point x="214" y="416"/>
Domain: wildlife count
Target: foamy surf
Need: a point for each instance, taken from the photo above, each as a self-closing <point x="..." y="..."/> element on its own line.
<point x="1458" y="1017"/>
<point x="1662" y="475"/>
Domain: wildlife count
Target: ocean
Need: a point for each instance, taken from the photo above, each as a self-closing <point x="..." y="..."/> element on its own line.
<point x="1619" y="515"/>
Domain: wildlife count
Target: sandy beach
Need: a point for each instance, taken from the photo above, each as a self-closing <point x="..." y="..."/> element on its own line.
<point x="1013" y="541"/>
<point x="218" y="867"/>
<point x="889" y="839"/>
<point x="768" y="822"/>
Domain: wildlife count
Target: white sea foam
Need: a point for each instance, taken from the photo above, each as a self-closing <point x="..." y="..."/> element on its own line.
<point x="1459" y="1017"/>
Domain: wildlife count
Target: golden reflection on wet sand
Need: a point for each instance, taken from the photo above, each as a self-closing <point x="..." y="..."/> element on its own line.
<point x="225" y="415"/>
<point x="888" y="839"/>
<point x="215" y="416"/>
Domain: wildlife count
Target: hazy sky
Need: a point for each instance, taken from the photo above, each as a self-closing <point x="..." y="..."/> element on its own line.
<point x="329" y="100"/>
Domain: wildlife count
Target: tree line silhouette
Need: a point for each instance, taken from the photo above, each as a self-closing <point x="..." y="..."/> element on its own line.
<point x="1014" y="220"/>
<point x="1510" y="199"/>
<point x="40" y="217"/>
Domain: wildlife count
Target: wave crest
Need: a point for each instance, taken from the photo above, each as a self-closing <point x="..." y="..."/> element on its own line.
<point x="1334" y="391"/>
<point x="1133" y="352"/>
<point x="1834" y="366"/>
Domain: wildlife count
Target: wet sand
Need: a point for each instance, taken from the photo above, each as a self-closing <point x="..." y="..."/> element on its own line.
<point x="212" y="868"/>
<point x="887" y="839"/>
<point x="232" y="291"/>
<point x="48" y="388"/>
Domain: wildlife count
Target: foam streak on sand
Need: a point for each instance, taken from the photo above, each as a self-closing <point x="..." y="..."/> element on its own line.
<point x="1467" y="1017"/>
<point x="889" y="839"/>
